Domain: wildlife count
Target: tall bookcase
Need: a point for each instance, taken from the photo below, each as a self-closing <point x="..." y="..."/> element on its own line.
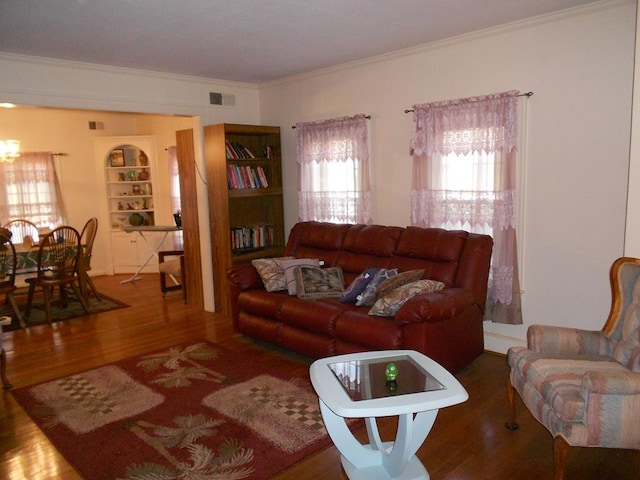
<point x="244" y="182"/>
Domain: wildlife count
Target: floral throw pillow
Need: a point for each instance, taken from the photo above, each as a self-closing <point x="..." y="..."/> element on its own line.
<point x="368" y="297"/>
<point x="288" y="267"/>
<point x="358" y="285"/>
<point x="398" y="280"/>
<point x="271" y="273"/>
<point x="388" y="305"/>
<point x="316" y="282"/>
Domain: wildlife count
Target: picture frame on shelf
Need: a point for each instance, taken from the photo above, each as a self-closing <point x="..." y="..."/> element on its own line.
<point x="117" y="157"/>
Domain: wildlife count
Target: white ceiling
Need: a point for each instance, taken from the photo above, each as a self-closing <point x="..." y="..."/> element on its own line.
<point x="245" y="40"/>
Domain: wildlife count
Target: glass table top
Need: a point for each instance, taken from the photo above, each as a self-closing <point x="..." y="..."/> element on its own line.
<point x="368" y="379"/>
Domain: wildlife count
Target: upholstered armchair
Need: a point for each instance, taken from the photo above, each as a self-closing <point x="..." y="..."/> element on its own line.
<point x="584" y="386"/>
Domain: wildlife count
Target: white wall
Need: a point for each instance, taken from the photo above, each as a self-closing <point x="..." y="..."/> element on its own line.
<point x="632" y="239"/>
<point x="579" y="64"/>
<point x="47" y="83"/>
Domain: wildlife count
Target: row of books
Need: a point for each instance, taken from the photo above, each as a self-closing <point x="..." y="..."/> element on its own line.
<point x="254" y="236"/>
<point x="237" y="150"/>
<point x="242" y="176"/>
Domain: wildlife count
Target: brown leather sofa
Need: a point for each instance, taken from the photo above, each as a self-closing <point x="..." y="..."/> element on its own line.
<point x="444" y="325"/>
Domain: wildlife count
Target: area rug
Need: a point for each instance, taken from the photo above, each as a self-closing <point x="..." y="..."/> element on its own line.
<point x="58" y="313"/>
<point x="192" y="411"/>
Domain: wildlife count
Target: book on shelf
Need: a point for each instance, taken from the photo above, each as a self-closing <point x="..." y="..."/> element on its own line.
<point x="251" y="236"/>
<point x="243" y="176"/>
<point x="236" y="150"/>
<point x="262" y="176"/>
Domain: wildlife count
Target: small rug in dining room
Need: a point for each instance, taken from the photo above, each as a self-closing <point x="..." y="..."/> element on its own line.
<point x="189" y="411"/>
<point x="59" y="313"/>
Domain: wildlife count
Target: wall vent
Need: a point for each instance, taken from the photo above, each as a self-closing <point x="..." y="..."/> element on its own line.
<point x="216" y="98"/>
<point x="96" y="125"/>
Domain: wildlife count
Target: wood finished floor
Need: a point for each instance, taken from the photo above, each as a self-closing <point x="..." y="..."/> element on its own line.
<point x="468" y="441"/>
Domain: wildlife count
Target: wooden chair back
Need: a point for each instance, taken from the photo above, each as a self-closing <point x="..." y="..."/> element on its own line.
<point x="22" y="229"/>
<point x="7" y="264"/>
<point x="58" y="254"/>
<point x="87" y="237"/>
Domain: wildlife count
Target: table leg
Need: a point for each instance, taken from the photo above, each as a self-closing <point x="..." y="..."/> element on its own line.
<point x="381" y="460"/>
<point x="154" y="253"/>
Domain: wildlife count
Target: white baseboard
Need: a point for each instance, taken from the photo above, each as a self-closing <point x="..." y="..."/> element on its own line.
<point x="500" y="342"/>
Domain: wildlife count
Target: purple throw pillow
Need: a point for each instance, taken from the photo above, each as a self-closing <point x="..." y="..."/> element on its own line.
<point x="358" y="285"/>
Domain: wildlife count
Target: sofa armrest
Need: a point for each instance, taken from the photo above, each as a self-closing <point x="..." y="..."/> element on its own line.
<point x="435" y="307"/>
<point x="555" y="340"/>
<point x="244" y="276"/>
<point x="611" y="383"/>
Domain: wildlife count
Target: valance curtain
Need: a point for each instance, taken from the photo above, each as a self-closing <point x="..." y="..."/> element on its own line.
<point x="464" y="176"/>
<point x="333" y="158"/>
<point x="30" y="189"/>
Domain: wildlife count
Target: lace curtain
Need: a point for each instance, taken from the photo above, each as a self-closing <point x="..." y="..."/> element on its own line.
<point x="30" y="189"/>
<point x="464" y="176"/>
<point x="334" y="171"/>
<point x="176" y="201"/>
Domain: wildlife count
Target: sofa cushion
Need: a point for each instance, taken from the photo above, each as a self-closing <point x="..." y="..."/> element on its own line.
<point x="316" y="282"/>
<point x="368" y="297"/>
<point x="358" y="285"/>
<point x="436" y="250"/>
<point x="389" y="304"/>
<point x="627" y="350"/>
<point x="271" y="273"/>
<point x="288" y="267"/>
<point x="317" y="240"/>
<point x="402" y="278"/>
<point x="559" y="380"/>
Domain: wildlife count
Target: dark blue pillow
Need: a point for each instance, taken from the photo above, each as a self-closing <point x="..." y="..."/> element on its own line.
<point x="358" y="285"/>
<point x="368" y="297"/>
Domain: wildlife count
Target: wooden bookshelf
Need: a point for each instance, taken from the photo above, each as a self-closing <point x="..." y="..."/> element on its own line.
<point x="231" y="207"/>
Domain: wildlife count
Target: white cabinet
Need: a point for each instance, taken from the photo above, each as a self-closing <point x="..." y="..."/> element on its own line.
<point x="130" y="251"/>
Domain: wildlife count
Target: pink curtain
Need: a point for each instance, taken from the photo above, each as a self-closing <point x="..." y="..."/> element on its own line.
<point x="464" y="176"/>
<point x="334" y="171"/>
<point x="29" y="189"/>
<point x="176" y="201"/>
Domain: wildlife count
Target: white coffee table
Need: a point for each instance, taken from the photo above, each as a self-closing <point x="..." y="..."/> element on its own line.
<point x="355" y="386"/>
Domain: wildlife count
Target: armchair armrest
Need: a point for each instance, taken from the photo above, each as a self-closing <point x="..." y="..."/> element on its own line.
<point x="434" y="307"/>
<point x="611" y="383"/>
<point x="554" y="340"/>
<point x="244" y="276"/>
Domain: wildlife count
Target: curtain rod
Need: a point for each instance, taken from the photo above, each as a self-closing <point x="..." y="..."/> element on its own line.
<point x="527" y="94"/>
<point x="368" y="117"/>
<point x="60" y="154"/>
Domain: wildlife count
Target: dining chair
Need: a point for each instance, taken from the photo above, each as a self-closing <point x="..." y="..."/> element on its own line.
<point x="58" y="256"/>
<point x="22" y="229"/>
<point x="8" y="275"/>
<point x="87" y="237"/>
<point x="172" y="268"/>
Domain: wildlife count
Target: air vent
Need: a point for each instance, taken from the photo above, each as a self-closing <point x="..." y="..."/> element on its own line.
<point x="96" y="125"/>
<point x="226" y="99"/>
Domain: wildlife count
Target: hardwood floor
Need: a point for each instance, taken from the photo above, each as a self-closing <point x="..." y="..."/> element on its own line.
<point x="468" y="441"/>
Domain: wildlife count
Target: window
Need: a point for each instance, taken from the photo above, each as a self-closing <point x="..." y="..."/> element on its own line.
<point x="334" y="171"/>
<point x="464" y="164"/>
<point x="29" y="189"/>
<point x="176" y="201"/>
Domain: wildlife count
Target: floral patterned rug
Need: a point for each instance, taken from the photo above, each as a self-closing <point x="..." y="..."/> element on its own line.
<point x="193" y="411"/>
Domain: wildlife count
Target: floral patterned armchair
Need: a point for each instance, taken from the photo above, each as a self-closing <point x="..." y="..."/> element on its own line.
<point x="584" y="386"/>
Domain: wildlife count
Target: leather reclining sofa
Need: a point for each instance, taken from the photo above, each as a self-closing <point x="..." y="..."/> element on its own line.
<point x="445" y="325"/>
